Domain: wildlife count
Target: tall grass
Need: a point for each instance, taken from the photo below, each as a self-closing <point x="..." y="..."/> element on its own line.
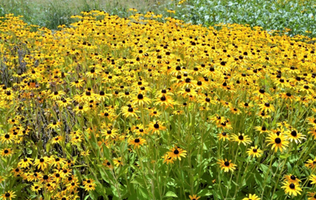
<point x="51" y="14"/>
<point x="292" y="16"/>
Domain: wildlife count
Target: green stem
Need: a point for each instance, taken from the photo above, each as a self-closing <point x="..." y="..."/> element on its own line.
<point x="266" y="175"/>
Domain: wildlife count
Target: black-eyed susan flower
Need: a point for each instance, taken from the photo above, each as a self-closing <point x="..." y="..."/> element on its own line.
<point x="223" y="136"/>
<point x="246" y="105"/>
<point x="261" y="129"/>
<point x="140" y="100"/>
<point x="153" y="112"/>
<point x="155" y="127"/>
<point x="57" y="95"/>
<point x="64" y="102"/>
<point x="241" y="138"/>
<point x="109" y="132"/>
<point x="65" y="172"/>
<point x="54" y="125"/>
<point x="292" y="179"/>
<point x="311" y="121"/>
<point x="6" y="152"/>
<point x="17" y="172"/>
<point x="165" y="101"/>
<point x="89" y="185"/>
<point x="7" y="138"/>
<point x="41" y="163"/>
<point x="85" y="153"/>
<point x="278" y="142"/>
<point x="194" y="197"/>
<point x="252" y="197"/>
<point x="235" y="110"/>
<point x="118" y="162"/>
<point x="137" y="142"/>
<point x="57" y="139"/>
<point x="107" y="164"/>
<point x="311" y="163"/>
<point x="129" y="111"/>
<point x="311" y="196"/>
<point x="78" y="83"/>
<point x="168" y="159"/>
<point x="312" y="178"/>
<point x="8" y="195"/>
<point x="108" y="114"/>
<point x="76" y="139"/>
<point x="266" y="107"/>
<point x="292" y="189"/>
<point x="58" y="162"/>
<point x="226" y="165"/>
<point x="26" y="162"/>
<point x="36" y="187"/>
<point x="45" y="178"/>
<point x="81" y="109"/>
<point x="177" y="153"/>
<point x="254" y="151"/>
<point x="294" y="135"/>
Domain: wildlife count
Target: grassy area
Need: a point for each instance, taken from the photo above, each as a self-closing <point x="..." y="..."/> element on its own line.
<point x="292" y="16"/>
<point x="50" y="14"/>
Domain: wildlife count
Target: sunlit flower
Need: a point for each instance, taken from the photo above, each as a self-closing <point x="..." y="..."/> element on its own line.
<point x="254" y="151"/>
<point x="137" y="142"/>
<point x="226" y="165"/>
<point x="177" y="153"/>
<point x="278" y="142"/>
<point x="8" y="195"/>
<point x="292" y="189"/>
<point x="251" y="197"/>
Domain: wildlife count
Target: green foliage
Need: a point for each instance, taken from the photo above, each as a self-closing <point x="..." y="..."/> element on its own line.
<point x="296" y="15"/>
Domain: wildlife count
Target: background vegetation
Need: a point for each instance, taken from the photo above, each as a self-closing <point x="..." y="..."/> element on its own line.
<point x="296" y="15"/>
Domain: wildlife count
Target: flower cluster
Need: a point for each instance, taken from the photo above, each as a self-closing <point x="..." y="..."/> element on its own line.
<point x="123" y="107"/>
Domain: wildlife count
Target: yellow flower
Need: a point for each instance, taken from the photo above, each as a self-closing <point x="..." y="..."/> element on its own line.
<point x="226" y="165"/>
<point x="89" y="185"/>
<point x="292" y="189"/>
<point x="140" y="100"/>
<point x="312" y="178"/>
<point x="168" y="159"/>
<point x="278" y="142"/>
<point x="194" y="197"/>
<point x="177" y="153"/>
<point x="137" y="142"/>
<point x="25" y="162"/>
<point x="241" y="138"/>
<point x="251" y="197"/>
<point x="8" y="195"/>
<point x="254" y="151"/>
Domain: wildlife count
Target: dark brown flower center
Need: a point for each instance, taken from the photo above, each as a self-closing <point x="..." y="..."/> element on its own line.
<point x="292" y="186"/>
<point x="140" y="97"/>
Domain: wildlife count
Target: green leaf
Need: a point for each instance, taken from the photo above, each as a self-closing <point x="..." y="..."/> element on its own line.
<point x="204" y="192"/>
<point x="171" y="194"/>
<point x="142" y="192"/>
<point x="264" y="168"/>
